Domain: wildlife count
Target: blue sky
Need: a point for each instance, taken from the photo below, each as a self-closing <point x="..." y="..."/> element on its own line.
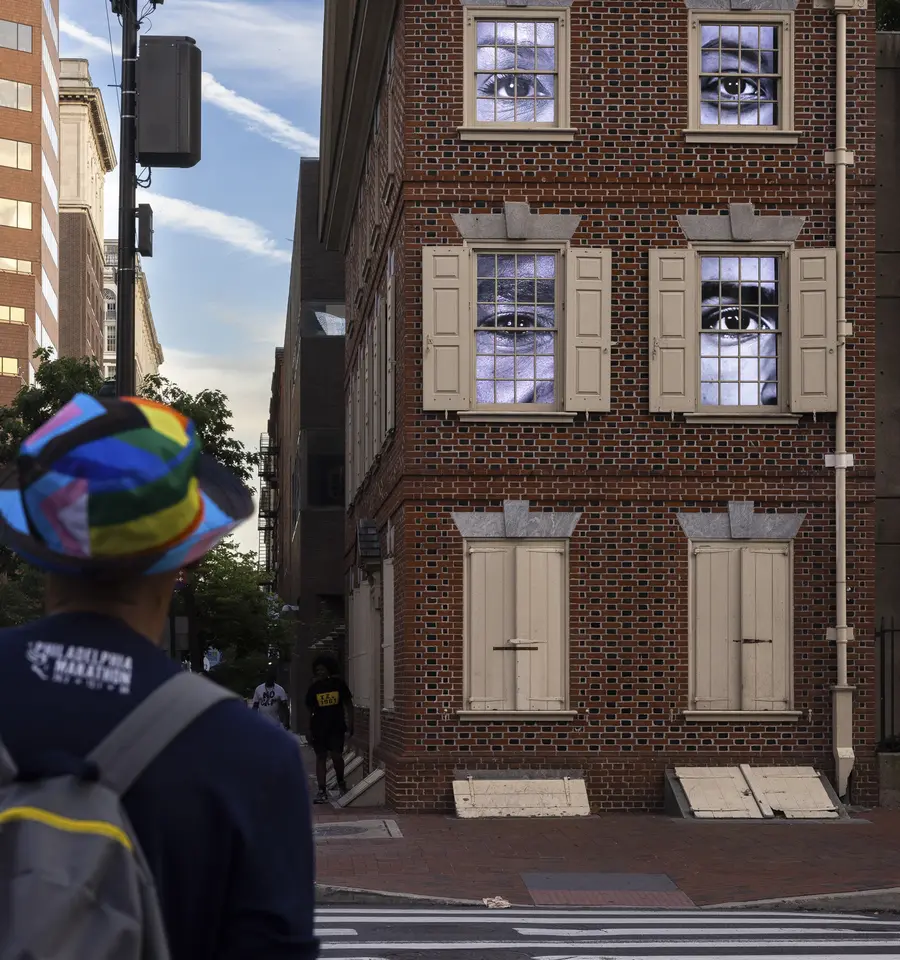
<point x="219" y="275"/>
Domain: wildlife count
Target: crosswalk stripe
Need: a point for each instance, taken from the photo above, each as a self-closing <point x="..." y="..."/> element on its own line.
<point x="637" y="947"/>
<point x="673" y="931"/>
<point x="335" y="932"/>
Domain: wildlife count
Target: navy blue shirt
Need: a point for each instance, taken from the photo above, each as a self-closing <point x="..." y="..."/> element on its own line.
<point x="222" y="814"/>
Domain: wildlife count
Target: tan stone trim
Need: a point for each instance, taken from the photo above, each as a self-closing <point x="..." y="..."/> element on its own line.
<point x="782" y="138"/>
<point x="99" y="125"/>
<point x="482" y="715"/>
<point x="741" y="716"/>
<point x="512" y="134"/>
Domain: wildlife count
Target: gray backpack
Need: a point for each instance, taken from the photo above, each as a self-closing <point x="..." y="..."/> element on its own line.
<point x="74" y="884"/>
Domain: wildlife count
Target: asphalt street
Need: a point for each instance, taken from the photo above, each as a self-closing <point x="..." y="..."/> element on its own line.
<point x="400" y="933"/>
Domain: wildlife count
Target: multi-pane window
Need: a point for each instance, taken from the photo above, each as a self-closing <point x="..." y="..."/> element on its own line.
<point x="12" y="314"/>
<point x="516" y="328"/>
<point x="15" y="36"/>
<point x="14" y="153"/>
<point x="110" y="333"/>
<point x="516" y="68"/>
<point x="740" y="330"/>
<point x="517" y="71"/>
<point x="11" y="265"/>
<point x="15" y="213"/>
<point x="740" y="74"/>
<point x="14" y="95"/>
<point x="9" y="367"/>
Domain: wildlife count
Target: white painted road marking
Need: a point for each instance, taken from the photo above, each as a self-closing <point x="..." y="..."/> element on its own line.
<point x="632" y="945"/>
<point x="335" y="932"/>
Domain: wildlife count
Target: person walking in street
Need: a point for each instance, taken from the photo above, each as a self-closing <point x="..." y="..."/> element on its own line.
<point x="156" y="775"/>
<point x="271" y="700"/>
<point x="330" y="705"/>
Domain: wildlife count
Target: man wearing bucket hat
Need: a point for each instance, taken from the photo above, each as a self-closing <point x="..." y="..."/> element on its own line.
<point x="112" y="498"/>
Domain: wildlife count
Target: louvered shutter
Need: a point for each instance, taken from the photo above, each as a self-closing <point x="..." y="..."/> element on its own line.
<point x="446" y="329"/>
<point x="387" y="643"/>
<point x="674" y="331"/>
<point x="390" y="347"/>
<point x="586" y="340"/>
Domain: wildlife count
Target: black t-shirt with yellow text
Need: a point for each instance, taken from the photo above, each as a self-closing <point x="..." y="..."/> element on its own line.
<point x="327" y="702"/>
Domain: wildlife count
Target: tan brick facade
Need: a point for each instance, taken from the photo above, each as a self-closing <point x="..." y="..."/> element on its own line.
<point x="628" y="173"/>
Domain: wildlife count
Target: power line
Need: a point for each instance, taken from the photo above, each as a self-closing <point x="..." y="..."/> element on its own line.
<point x="112" y="56"/>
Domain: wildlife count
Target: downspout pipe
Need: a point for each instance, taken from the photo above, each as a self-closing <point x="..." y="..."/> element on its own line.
<point x="842" y="693"/>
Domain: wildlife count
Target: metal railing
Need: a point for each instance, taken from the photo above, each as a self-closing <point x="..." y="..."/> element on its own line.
<point x="887" y="657"/>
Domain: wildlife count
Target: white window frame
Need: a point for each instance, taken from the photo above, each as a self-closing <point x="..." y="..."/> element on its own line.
<point x="691" y="714"/>
<point x="783" y="132"/>
<point x="560" y="129"/>
<point x="565" y="653"/>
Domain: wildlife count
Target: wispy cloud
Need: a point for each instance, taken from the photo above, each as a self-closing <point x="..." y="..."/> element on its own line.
<point x="259" y="118"/>
<point x="237" y="232"/>
<point x="254" y="115"/>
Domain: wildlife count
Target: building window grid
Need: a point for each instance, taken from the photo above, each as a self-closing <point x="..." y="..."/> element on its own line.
<point x="15" y="213"/>
<point x="9" y="367"/>
<point x="741" y="330"/>
<point x="11" y="265"/>
<point x="15" y="95"/>
<point x="15" y="154"/>
<point x="10" y="314"/>
<point x="15" y="36"/>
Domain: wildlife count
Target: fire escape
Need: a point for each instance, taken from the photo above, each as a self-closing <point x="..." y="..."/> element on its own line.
<point x="268" y="507"/>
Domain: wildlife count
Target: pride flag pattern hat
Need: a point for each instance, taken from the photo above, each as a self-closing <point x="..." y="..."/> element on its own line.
<point x="117" y="486"/>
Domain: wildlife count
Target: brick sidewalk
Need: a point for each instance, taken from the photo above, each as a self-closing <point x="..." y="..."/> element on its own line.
<point x="710" y="862"/>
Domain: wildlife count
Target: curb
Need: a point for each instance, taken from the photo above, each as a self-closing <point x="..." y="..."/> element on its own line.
<point x="882" y="900"/>
<point x="328" y="893"/>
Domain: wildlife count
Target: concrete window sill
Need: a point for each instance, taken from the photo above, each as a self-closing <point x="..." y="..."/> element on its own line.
<point x="512" y="416"/>
<point x="742" y="716"/>
<point x="779" y="419"/>
<point x="519" y="134"/>
<point x="481" y="715"/>
<point x="778" y="138"/>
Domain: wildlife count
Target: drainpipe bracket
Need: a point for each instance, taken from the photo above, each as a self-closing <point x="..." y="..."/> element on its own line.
<point x="840" y="461"/>
<point x="842" y="6"/>
<point x="844" y="157"/>
<point x="844" y="329"/>
<point x="840" y="634"/>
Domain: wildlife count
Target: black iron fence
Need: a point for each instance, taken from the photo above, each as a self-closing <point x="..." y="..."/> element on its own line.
<point x="887" y="654"/>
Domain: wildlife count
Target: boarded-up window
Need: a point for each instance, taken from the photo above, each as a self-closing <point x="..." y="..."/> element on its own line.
<point x="360" y="647"/>
<point x="516" y="626"/>
<point x="741" y="609"/>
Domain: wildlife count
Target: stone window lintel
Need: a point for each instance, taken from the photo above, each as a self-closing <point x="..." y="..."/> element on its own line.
<point x="741" y="522"/>
<point x="517" y="222"/>
<point x="742" y="225"/>
<point x="516" y="522"/>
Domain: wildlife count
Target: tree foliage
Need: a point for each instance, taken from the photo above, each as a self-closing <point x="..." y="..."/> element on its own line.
<point x="212" y="417"/>
<point x="887" y="14"/>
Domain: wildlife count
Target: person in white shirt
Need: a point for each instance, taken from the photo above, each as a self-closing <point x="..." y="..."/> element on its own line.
<point x="271" y="700"/>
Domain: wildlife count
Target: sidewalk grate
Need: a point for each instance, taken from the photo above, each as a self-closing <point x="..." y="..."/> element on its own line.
<point x="357" y="830"/>
<point x="604" y="890"/>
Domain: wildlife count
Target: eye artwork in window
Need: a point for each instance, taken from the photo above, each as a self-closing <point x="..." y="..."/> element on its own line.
<point x="515" y="339"/>
<point x="739" y="75"/>
<point x="516" y="71"/>
<point x="739" y="339"/>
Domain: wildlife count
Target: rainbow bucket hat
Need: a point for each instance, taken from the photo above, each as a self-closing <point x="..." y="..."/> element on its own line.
<point x="117" y="486"/>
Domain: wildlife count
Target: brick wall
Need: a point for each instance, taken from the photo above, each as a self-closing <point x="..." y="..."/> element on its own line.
<point x="628" y="174"/>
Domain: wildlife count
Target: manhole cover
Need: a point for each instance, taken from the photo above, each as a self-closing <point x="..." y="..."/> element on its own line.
<point x="357" y="830"/>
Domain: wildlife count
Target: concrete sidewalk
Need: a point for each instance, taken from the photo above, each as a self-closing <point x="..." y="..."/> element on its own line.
<point x="707" y="863"/>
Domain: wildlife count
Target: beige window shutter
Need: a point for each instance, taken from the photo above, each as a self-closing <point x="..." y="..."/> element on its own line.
<point x="587" y="337"/>
<point x="348" y="455"/>
<point x="541" y="630"/>
<point x="389" y="352"/>
<point x="377" y="377"/>
<point x="491" y="621"/>
<point x="367" y="404"/>
<point x="765" y="627"/>
<point x="358" y="455"/>
<point x="446" y="329"/>
<point x="812" y="334"/>
<point x="716" y="615"/>
<point x="387" y="643"/>
<point x="674" y="331"/>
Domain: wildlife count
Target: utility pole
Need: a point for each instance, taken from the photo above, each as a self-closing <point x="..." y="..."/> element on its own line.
<point x="125" y="339"/>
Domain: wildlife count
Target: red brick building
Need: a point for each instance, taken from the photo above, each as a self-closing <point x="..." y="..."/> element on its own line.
<point x="610" y="322"/>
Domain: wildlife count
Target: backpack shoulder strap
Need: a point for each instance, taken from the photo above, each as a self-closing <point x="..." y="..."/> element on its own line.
<point x="153" y="724"/>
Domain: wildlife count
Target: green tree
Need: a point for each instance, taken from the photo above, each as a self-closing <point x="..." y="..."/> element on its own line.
<point x="887" y="14"/>
<point x="212" y="417"/>
<point x="234" y="614"/>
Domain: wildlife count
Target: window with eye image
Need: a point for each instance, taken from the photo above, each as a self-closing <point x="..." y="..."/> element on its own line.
<point x="740" y="331"/>
<point x="517" y="71"/>
<point x="740" y="74"/>
<point x="516" y="329"/>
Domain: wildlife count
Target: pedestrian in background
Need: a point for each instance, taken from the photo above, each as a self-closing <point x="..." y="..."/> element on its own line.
<point x="330" y="705"/>
<point x="271" y="700"/>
